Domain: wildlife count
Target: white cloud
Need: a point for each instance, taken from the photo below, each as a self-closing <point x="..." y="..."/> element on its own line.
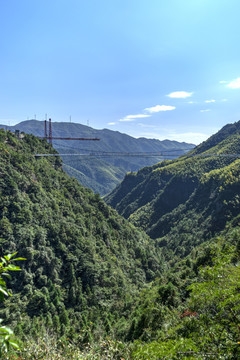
<point x="126" y="119"/>
<point x="223" y="82"/>
<point x="159" y="108"/>
<point x="224" y="100"/>
<point x="133" y="117"/>
<point x="180" y="94"/>
<point x="147" y="126"/>
<point x="235" y="84"/>
<point x="210" y="101"/>
<point x="111" y="123"/>
<point x="205" y="110"/>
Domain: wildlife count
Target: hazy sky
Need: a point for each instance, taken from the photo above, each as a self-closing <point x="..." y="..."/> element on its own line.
<point x="153" y="68"/>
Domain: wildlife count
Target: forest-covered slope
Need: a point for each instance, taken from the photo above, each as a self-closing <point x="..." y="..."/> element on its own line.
<point x="185" y="201"/>
<point x="192" y="311"/>
<point x="85" y="263"/>
<point x="95" y="287"/>
<point x="100" y="174"/>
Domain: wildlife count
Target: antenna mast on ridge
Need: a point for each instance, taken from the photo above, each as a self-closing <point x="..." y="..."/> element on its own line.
<point x="50" y="131"/>
<point x="45" y="128"/>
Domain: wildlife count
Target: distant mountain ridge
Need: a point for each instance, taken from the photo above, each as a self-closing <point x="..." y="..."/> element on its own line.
<point x="100" y="174"/>
<point x="183" y="202"/>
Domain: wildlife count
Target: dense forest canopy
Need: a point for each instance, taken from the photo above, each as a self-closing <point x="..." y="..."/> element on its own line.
<point x="84" y="261"/>
<point x="95" y="286"/>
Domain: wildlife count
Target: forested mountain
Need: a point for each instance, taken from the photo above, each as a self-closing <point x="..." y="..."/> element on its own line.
<point x="100" y="174"/>
<point x="185" y="201"/>
<point x="94" y="287"/>
<point x="85" y="264"/>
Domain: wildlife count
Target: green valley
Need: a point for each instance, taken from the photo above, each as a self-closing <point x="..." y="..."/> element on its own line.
<point x="160" y="280"/>
<point x="183" y="202"/>
<point x="85" y="264"/>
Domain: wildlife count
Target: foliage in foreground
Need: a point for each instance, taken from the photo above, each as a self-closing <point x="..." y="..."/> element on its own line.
<point x="208" y="327"/>
<point x="204" y="324"/>
<point x="6" y="334"/>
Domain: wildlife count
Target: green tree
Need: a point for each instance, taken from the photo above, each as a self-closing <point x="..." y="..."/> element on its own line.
<point x="216" y="299"/>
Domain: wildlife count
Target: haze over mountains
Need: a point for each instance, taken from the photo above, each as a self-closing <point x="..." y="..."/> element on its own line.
<point x="100" y="174"/>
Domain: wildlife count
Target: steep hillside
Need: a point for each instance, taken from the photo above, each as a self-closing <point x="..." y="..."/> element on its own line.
<point x="85" y="263"/>
<point x="100" y="174"/>
<point x="192" y="311"/>
<point x="184" y="201"/>
<point x="95" y="287"/>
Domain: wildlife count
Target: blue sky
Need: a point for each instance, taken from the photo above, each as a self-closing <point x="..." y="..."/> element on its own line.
<point x="159" y="69"/>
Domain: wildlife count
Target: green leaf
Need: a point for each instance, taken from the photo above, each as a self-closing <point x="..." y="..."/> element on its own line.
<point x="13" y="267"/>
<point x="5" y="330"/>
<point x="7" y="275"/>
<point x="14" y="345"/>
<point x="10" y="256"/>
<point x="3" y="261"/>
<point x="18" y="259"/>
<point x="3" y="291"/>
<point x="2" y="282"/>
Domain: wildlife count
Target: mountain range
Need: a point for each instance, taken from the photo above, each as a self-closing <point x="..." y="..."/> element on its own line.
<point x="94" y="285"/>
<point x="103" y="173"/>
